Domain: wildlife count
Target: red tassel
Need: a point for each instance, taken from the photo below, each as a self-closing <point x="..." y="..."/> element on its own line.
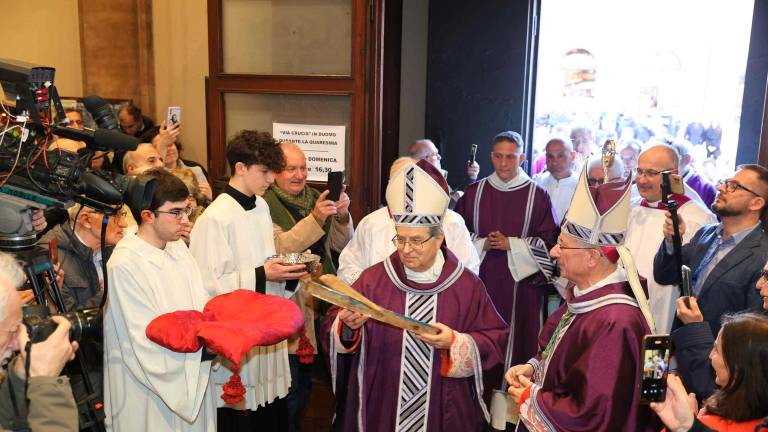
<point x="233" y="390"/>
<point x="305" y="351"/>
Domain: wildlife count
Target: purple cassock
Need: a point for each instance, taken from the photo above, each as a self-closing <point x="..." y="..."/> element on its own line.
<point x="705" y="189"/>
<point x="379" y="377"/>
<point x="523" y="210"/>
<point x="590" y="380"/>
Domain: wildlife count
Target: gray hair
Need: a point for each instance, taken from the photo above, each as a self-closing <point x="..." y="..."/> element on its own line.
<point x="11" y="278"/>
<point x="616" y="170"/>
<point x="435" y="230"/>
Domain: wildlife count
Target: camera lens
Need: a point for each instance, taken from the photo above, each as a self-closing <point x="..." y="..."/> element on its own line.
<point x="86" y="324"/>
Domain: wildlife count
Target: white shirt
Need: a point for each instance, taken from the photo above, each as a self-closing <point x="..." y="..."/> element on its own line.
<point x="372" y="242"/>
<point x="560" y="191"/>
<point x="148" y="387"/>
<point x="644" y="236"/>
<point x="228" y="243"/>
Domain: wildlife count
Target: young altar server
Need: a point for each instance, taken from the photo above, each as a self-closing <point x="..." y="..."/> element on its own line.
<point x="232" y="242"/>
<point x="148" y="387"/>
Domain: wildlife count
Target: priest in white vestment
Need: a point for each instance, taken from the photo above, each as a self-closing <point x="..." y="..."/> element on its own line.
<point x="645" y="233"/>
<point x="232" y="242"/>
<point x="148" y="387"/>
<point x="372" y="241"/>
<point x="559" y="179"/>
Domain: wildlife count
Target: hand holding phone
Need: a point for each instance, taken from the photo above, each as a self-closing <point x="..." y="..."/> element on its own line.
<point x="654" y="368"/>
<point x="335" y="183"/>
<point x="174" y="116"/>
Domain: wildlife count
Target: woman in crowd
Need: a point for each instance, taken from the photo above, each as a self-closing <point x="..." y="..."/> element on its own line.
<point x="740" y="403"/>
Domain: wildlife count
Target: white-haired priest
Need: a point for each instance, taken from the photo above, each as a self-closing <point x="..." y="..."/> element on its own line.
<point x="586" y="376"/>
<point x="419" y="382"/>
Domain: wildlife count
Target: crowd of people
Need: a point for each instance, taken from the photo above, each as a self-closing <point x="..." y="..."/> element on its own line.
<point x="534" y="292"/>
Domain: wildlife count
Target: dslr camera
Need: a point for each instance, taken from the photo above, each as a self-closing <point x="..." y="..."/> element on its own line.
<point x="86" y="323"/>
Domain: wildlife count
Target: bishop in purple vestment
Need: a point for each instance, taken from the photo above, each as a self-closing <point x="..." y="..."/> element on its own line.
<point x="402" y="381"/>
<point x="511" y="221"/>
<point x="586" y="376"/>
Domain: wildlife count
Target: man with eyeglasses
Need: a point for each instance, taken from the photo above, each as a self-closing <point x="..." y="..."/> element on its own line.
<point x="512" y="225"/>
<point x="233" y="242"/>
<point x="646" y="220"/>
<point x="726" y="259"/>
<point x="694" y="341"/>
<point x="151" y="273"/>
<point x="370" y="244"/>
<point x="80" y="256"/>
<point x="585" y="375"/>
<point x="418" y="381"/>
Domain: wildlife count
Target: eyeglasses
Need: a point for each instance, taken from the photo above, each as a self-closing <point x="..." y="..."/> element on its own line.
<point x="764" y="274"/>
<point x="649" y="173"/>
<point x="415" y="244"/>
<point x="595" y="182"/>
<point x="178" y="213"/>
<point x="731" y="186"/>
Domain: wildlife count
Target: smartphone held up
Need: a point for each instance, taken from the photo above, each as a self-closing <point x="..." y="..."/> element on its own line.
<point x="655" y="367"/>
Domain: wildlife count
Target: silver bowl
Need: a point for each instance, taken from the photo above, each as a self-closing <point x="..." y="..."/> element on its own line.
<point x="308" y="259"/>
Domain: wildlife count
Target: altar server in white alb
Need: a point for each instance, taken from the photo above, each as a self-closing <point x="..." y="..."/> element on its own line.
<point x="644" y="231"/>
<point x="232" y="242"/>
<point x="148" y="387"/>
<point x="371" y="242"/>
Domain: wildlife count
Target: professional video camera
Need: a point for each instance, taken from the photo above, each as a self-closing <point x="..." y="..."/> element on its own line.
<point x="31" y="176"/>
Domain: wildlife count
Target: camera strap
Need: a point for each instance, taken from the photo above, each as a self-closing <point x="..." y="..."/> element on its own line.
<point x="27" y="362"/>
<point x="19" y="421"/>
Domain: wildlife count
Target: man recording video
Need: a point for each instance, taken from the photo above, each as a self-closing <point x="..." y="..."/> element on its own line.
<point x="48" y="404"/>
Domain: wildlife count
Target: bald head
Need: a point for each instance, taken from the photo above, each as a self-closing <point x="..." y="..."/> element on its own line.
<point x="651" y="162"/>
<point x="145" y="157"/>
<point x="399" y="163"/>
<point x="661" y="156"/>
<point x="425" y="149"/>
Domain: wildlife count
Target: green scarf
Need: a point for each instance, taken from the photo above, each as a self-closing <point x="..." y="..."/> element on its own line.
<point x="280" y="202"/>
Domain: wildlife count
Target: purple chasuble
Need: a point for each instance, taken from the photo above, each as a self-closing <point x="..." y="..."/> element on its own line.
<point x="591" y="379"/>
<point x="506" y="211"/>
<point x="705" y="189"/>
<point x="374" y="380"/>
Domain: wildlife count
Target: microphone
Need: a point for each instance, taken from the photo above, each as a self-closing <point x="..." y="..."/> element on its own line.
<point x="99" y="139"/>
<point x="102" y="112"/>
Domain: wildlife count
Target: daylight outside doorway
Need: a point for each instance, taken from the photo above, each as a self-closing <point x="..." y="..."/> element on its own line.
<point x="644" y="72"/>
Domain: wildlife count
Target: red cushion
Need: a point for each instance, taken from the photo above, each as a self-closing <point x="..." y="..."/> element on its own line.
<point x="241" y="320"/>
<point x="231" y="324"/>
<point x="176" y="331"/>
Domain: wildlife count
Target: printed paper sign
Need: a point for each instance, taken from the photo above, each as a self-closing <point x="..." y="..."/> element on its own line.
<point x="323" y="146"/>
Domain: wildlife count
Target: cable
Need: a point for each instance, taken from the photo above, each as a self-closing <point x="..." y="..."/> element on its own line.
<point x="18" y="152"/>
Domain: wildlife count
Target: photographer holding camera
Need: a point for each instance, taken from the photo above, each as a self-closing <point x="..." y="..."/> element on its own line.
<point x="48" y="404"/>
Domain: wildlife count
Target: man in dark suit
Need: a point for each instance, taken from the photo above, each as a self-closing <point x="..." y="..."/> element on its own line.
<point x="726" y="259"/>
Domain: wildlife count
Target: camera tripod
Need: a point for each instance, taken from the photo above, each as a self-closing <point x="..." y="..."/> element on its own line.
<point x="42" y="278"/>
